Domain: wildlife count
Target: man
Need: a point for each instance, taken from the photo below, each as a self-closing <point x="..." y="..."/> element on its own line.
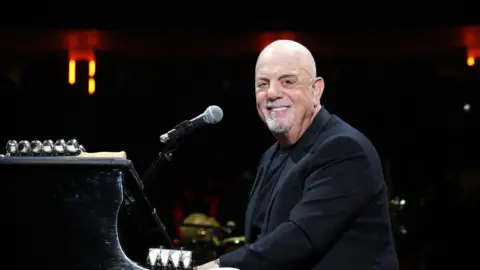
<point x="319" y="200"/>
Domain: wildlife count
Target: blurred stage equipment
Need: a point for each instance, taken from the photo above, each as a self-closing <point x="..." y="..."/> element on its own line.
<point x="207" y="238"/>
<point x="397" y="206"/>
<point x="232" y="243"/>
<point x="199" y="226"/>
<point x="201" y="234"/>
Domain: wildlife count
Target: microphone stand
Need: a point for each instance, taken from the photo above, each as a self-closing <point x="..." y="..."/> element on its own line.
<point x="165" y="155"/>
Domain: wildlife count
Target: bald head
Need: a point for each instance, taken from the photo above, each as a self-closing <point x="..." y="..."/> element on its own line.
<point x="288" y="51"/>
<point x="287" y="89"/>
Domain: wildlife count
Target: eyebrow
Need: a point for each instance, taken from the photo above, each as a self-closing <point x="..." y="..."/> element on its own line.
<point x="287" y="76"/>
<point x="281" y="77"/>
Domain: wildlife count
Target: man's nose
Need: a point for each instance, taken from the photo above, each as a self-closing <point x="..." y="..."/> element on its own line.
<point x="273" y="92"/>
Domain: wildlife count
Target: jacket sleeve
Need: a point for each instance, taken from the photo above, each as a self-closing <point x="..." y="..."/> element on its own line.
<point x="333" y="193"/>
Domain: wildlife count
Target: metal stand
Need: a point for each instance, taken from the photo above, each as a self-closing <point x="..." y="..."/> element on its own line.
<point x="165" y="155"/>
<point x="148" y="176"/>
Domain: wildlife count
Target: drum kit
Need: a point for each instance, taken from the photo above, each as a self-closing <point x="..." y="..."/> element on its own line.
<point x="206" y="238"/>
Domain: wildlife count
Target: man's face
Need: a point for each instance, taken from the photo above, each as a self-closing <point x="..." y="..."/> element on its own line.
<point x="284" y="92"/>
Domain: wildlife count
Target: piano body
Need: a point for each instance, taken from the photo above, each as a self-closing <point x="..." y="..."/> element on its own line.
<point x="60" y="212"/>
<point x="63" y="211"/>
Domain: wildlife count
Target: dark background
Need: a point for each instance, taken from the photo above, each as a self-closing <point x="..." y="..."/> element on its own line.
<point x="406" y="88"/>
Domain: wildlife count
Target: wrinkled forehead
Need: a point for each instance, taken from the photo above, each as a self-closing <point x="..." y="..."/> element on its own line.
<point x="274" y="64"/>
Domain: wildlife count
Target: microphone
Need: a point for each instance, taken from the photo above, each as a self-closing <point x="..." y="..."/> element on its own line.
<point x="211" y="116"/>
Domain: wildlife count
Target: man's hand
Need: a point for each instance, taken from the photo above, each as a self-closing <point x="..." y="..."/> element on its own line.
<point x="207" y="266"/>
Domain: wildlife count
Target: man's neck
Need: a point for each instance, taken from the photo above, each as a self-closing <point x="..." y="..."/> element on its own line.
<point x="291" y="137"/>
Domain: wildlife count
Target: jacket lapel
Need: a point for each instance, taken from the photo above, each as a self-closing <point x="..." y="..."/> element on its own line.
<point x="252" y="201"/>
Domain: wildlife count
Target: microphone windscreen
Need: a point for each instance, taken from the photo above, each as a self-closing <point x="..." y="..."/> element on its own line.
<point x="213" y="114"/>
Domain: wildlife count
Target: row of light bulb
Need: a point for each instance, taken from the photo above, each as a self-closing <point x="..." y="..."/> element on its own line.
<point x="45" y="148"/>
<point x="161" y="257"/>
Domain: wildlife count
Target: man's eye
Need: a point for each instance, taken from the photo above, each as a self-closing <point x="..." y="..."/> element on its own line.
<point x="288" y="82"/>
<point x="261" y="84"/>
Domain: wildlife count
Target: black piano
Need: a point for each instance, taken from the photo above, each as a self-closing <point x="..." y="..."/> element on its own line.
<point x="61" y="212"/>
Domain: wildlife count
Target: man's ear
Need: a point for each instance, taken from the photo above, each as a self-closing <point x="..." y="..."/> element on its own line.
<point x="318" y="87"/>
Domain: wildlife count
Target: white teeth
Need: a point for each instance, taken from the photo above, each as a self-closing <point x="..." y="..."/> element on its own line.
<point x="279" y="109"/>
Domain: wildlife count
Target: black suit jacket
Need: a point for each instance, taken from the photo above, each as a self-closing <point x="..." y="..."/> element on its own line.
<point x="329" y="209"/>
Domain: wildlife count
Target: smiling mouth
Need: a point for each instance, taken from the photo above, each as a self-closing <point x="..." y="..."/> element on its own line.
<point x="277" y="109"/>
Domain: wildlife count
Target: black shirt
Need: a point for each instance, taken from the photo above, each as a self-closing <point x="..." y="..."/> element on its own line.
<point x="266" y="189"/>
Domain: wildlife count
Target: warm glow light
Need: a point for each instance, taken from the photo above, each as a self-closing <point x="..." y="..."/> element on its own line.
<point x="91" y="86"/>
<point x="91" y="68"/>
<point x="470" y="61"/>
<point x="71" y="71"/>
<point x="268" y="37"/>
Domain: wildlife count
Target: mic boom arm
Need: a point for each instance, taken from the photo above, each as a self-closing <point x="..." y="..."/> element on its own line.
<point x="175" y="133"/>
